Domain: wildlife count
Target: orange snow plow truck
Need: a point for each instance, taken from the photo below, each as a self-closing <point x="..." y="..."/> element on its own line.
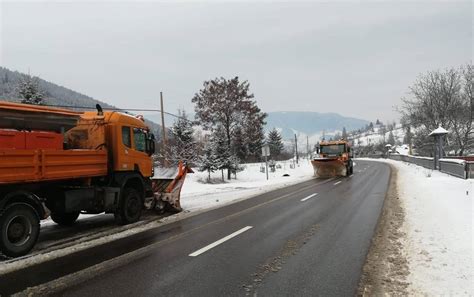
<point x="333" y="158"/>
<point x="61" y="163"/>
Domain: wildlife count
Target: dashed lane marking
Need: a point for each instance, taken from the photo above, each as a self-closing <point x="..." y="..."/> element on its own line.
<point x="309" y="197"/>
<point x="220" y="241"/>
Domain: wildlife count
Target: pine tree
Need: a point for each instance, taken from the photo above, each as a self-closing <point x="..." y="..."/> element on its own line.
<point x="391" y="138"/>
<point x="184" y="145"/>
<point x="239" y="144"/>
<point x="408" y="135"/>
<point x="275" y="143"/>
<point x="208" y="161"/>
<point x="29" y="90"/>
<point x="344" y="133"/>
<point x="222" y="150"/>
<point x="254" y="139"/>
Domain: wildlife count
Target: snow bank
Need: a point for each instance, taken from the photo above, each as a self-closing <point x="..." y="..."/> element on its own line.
<point x="439" y="230"/>
<point x="196" y="194"/>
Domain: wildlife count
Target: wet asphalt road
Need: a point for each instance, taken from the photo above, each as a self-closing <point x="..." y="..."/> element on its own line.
<point x="309" y="239"/>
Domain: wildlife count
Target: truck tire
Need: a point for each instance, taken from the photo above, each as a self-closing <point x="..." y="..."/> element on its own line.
<point x="65" y="219"/>
<point x="19" y="229"/>
<point x="131" y="206"/>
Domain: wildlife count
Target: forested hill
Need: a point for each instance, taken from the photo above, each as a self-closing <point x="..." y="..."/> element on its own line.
<point x="53" y="94"/>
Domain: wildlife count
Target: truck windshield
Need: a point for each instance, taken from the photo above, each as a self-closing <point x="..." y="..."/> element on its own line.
<point x="333" y="149"/>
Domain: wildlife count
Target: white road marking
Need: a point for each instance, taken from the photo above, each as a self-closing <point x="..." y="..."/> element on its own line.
<point x="351" y="175"/>
<point x="222" y="240"/>
<point x="336" y="183"/>
<point x="309" y="197"/>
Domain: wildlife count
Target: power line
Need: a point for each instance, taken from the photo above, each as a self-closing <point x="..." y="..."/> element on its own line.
<point x="119" y="109"/>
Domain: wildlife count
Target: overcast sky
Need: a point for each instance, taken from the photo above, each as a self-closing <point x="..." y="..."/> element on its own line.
<point x="356" y="59"/>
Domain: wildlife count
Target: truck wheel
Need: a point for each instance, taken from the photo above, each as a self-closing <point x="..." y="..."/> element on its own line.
<point x="64" y="219"/>
<point x="19" y="229"/>
<point x="131" y="206"/>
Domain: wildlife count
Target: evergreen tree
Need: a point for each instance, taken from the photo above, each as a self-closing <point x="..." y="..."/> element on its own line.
<point x="239" y="144"/>
<point x="344" y="133"/>
<point x="222" y="150"/>
<point x="408" y="135"/>
<point x="391" y="138"/>
<point x="208" y="161"/>
<point x="184" y="146"/>
<point x="383" y="131"/>
<point x="29" y="90"/>
<point x="254" y="137"/>
<point x="275" y="143"/>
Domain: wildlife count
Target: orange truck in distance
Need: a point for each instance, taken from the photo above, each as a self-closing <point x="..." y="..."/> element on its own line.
<point x="333" y="158"/>
<point x="60" y="163"/>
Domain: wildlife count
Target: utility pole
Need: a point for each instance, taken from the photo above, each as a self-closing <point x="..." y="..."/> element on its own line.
<point x="307" y="146"/>
<point x="163" y="130"/>
<point x="296" y="149"/>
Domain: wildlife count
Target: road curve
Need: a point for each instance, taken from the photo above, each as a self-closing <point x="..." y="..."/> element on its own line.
<point x="308" y="239"/>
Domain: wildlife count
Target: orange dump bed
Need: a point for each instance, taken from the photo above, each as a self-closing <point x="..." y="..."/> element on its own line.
<point x="19" y="166"/>
<point x="30" y="140"/>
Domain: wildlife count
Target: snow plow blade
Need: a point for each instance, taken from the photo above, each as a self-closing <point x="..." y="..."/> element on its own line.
<point x="328" y="167"/>
<point x="166" y="186"/>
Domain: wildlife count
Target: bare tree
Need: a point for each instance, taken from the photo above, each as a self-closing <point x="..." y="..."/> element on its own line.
<point x="441" y="98"/>
<point x="463" y="111"/>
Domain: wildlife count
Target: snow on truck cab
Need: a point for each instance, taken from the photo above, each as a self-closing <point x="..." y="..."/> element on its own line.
<point x="60" y="163"/>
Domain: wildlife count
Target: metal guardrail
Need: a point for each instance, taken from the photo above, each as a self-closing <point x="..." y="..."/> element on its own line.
<point x="420" y="161"/>
<point x="453" y="167"/>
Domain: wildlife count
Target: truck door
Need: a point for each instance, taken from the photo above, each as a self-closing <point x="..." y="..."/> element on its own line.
<point x="125" y="153"/>
<point x="141" y="159"/>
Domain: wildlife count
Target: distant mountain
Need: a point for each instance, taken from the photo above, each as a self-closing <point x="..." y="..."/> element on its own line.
<point x="54" y="94"/>
<point x="311" y="124"/>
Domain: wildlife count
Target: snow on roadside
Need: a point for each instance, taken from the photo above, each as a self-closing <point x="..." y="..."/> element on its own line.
<point x="196" y="194"/>
<point x="439" y="230"/>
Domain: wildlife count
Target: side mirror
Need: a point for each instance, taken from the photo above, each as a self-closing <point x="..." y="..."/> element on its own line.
<point x="151" y="145"/>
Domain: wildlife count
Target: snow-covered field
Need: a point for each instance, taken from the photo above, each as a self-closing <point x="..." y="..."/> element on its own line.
<point x="439" y="212"/>
<point x="196" y="194"/>
<point x="375" y="137"/>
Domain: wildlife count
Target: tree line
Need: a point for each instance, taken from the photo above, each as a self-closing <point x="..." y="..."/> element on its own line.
<point x="441" y="98"/>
